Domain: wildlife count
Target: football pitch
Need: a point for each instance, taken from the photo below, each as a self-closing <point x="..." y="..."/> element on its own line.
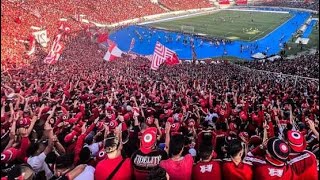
<point x="242" y="25"/>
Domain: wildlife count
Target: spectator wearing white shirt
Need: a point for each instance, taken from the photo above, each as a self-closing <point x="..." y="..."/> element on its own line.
<point x="37" y="155"/>
<point x="93" y="145"/>
<point x="85" y="158"/>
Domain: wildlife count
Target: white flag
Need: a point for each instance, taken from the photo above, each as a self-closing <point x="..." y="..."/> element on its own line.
<point x="41" y="37"/>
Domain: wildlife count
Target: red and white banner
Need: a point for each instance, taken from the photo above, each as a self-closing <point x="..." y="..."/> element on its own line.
<point x="56" y="50"/>
<point x="224" y="2"/>
<point x="160" y="55"/>
<point x="241" y="2"/>
<point x="41" y="37"/>
<point x="113" y="52"/>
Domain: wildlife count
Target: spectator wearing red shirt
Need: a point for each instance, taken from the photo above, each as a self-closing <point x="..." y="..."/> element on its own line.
<point x="234" y="168"/>
<point x="148" y="156"/>
<point x="273" y="165"/>
<point x="207" y="167"/>
<point x="178" y="167"/>
<point x="113" y="161"/>
<point x="302" y="162"/>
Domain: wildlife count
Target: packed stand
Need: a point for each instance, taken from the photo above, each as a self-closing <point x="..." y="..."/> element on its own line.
<point x="185" y="4"/>
<point x="84" y="118"/>
<point x="304" y="65"/>
<point x="100" y="11"/>
<point x="17" y="17"/>
<point x="313" y="4"/>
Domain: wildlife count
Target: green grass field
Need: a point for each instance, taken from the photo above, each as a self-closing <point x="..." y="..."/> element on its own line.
<point x="229" y="24"/>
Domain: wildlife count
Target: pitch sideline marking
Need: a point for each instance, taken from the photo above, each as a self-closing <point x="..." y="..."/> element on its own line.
<point x="276" y="28"/>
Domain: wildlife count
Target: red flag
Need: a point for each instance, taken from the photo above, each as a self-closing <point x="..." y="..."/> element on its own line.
<point x="172" y="60"/>
<point x="102" y="37"/>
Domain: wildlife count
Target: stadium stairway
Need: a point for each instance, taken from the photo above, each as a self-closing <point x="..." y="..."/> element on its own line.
<point x="162" y="6"/>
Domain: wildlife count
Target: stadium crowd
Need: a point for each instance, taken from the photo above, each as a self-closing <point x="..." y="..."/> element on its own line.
<point x="83" y="118"/>
<point x="304" y="65"/>
<point x="183" y="4"/>
<point x="312" y="4"/>
<point x="18" y="16"/>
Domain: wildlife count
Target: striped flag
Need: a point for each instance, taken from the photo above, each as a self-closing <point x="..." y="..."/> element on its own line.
<point x="160" y="55"/>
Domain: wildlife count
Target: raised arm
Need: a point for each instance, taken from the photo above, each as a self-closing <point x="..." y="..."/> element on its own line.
<point x="167" y="141"/>
<point x="313" y="128"/>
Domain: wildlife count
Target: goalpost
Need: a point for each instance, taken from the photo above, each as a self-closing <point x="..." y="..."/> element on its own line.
<point x="187" y="29"/>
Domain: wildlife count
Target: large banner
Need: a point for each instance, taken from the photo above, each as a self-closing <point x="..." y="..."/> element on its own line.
<point x="41" y="37"/>
<point x="56" y="50"/>
<point x="224" y="2"/>
<point x="241" y="2"/>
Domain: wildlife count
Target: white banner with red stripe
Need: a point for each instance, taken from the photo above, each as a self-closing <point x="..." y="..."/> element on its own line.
<point x="160" y="55"/>
<point x="56" y="50"/>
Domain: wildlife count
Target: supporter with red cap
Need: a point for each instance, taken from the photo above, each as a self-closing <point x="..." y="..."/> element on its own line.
<point x="148" y="156"/>
<point x="274" y="164"/>
<point x="227" y="98"/>
<point x="302" y="162"/>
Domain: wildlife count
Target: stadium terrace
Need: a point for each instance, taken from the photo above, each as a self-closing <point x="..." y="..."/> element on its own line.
<point x="160" y="89"/>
